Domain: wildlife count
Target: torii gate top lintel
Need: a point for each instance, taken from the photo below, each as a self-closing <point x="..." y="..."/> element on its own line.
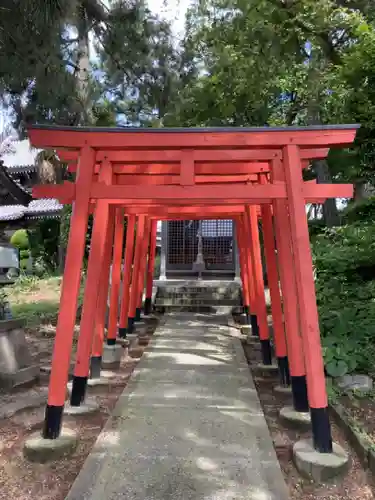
<point x="188" y="166"/>
<point x="169" y="138"/>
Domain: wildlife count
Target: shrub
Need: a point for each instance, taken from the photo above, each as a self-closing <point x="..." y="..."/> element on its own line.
<point x="20" y="239"/>
<point x="361" y="211"/>
<point x="344" y="260"/>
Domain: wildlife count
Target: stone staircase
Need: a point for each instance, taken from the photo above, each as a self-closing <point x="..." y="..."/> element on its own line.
<point x="196" y="296"/>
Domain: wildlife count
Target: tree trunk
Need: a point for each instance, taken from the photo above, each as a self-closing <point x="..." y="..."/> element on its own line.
<point x="83" y="64"/>
<point x="359" y="191"/>
<point x="330" y="212"/>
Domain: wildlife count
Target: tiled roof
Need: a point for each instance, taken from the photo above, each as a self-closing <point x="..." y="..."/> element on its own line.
<point x="35" y="209"/>
<point x="21" y="155"/>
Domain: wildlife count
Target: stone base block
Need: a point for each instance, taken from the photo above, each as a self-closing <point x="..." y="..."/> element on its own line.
<point x="283" y="389"/>
<point x="242" y="319"/>
<point x="246" y="330"/>
<point x="253" y="340"/>
<point x="23" y="376"/>
<point x="143" y="340"/>
<point x="38" y="449"/>
<point x="124" y="343"/>
<point x="86" y="408"/>
<point x="320" y="467"/>
<point x="111" y="357"/>
<point x="136" y="351"/>
<point x="102" y="381"/>
<point x="266" y="369"/>
<point x="294" y="418"/>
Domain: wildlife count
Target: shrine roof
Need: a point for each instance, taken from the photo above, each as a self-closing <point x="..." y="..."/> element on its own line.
<point x="194" y="129"/>
<point x="36" y="209"/>
<point x="21" y="157"/>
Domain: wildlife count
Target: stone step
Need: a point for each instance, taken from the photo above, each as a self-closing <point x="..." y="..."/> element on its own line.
<point x="196" y="295"/>
<point x="173" y="289"/>
<point x="193" y="302"/>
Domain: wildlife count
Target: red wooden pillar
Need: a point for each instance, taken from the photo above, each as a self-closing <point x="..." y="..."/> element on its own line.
<point x="256" y="260"/>
<point x="250" y="276"/>
<point x="102" y="304"/>
<point x="96" y="259"/>
<point x="127" y="276"/>
<point x="134" y="291"/>
<point x="150" y="267"/>
<point x="142" y="267"/>
<point x="316" y="385"/>
<point x="243" y="270"/>
<point x="273" y="284"/>
<point x="289" y="294"/>
<point x="114" y="300"/>
<point x="69" y="297"/>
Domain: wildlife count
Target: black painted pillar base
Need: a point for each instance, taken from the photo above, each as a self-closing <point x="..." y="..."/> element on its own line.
<point x="254" y="324"/>
<point x="299" y="391"/>
<point x="266" y="352"/>
<point x="138" y="314"/>
<point x="52" y="422"/>
<point x="95" y="366"/>
<point x="321" y="430"/>
<point x="284" y="371"/>
<point x="111" y="341"/>
<point x="78" y="393"/>
<point x="122" y="331"/>
<point x="130" y="328"/>
<point x="148" y="306"/>
<point x="246" y="310"/>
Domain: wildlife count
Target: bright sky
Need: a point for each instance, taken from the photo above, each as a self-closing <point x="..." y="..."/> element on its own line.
<point x="173" y="10"/>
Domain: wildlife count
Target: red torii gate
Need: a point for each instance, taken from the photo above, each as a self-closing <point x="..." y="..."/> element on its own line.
<point x="170" y="173"/>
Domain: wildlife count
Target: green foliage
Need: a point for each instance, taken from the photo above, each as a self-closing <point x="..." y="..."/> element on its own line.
<point x="20" y="239"/>
<point x="344" y="260"/>
<point x="44" y="243"/>
<point x="3" y="303"/>
<point x="361" y="211"/>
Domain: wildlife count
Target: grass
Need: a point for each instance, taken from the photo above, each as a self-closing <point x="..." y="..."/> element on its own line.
<point x="36" y="300"/>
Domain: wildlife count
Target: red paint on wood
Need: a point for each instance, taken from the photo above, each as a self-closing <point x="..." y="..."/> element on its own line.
<point x="116" y="274"/>
<point x="143" y="262"/>
<point x="58" y="138"/>
<point x="151" y="258"/>
<point x="127" y="277"/>
<point x="256" y="260"/>
<point x="316" y="384"/>
<point x="71" y="283"/>
<point x="102" y="304"/>
<point x="93" y="279"/>
<point x="288" y="281"/>
<point x="273" y="280"/>
<point x="137" y="265"/>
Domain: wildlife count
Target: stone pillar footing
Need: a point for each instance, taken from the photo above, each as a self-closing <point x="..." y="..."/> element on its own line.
<point x="111" y="357"/>
<point x="39" y="449"/>
<point x="320" y="467"/>
<point x="293" y="418"/>
<point x="283" y="389"/>
<point x="85" y="408"/>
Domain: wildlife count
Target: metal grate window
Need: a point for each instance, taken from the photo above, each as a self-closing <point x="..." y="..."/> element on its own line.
<point x="217" y="244"/>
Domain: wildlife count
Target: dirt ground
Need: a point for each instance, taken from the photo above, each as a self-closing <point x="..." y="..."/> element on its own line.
<point x="356" y="485"/>
<point x="23" y="480"/>
<point x="361" y="407"/>
<point x="22" y="412"/>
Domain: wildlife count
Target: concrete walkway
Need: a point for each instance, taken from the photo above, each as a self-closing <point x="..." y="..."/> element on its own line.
<point x="189" y="425"/>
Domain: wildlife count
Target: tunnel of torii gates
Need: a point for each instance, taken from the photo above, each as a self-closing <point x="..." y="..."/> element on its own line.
<point x="146" y="175"/>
